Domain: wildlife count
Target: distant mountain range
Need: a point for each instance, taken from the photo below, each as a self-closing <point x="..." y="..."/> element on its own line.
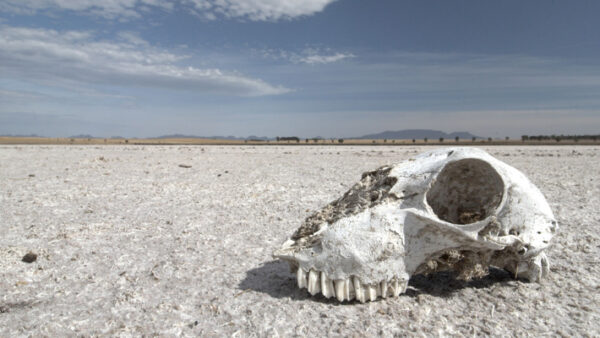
<point x="20" y="135"/>
<point x="409" y="134"/>
<point x="82" y="136"/>
<point x="172" y="136"/>
<point x="251" y="137"/>
<point x="406" y="134"/>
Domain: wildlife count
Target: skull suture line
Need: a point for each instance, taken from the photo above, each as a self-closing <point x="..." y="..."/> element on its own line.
<point x="450" y="209"/>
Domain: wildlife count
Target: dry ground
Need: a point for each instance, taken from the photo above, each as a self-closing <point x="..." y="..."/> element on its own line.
<point x="131" y="243"/>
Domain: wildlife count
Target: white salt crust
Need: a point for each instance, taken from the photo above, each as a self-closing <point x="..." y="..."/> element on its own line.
<point x="129" y="243"/>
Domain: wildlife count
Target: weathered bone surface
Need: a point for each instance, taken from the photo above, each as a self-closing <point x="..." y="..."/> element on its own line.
<point x="449" y="209"/>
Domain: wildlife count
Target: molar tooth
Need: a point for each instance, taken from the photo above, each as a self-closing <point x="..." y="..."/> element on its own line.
<point x="403" y="286"/>
<point x="384" y="289"/>
<point x="358" y="290"/>
<point x="399" y="287"/>
<point x="327" y="288"/>
<point x="372" y="292"/>
<point x="396" y="288"/>
<point x="301" y="276"/>
<point x="340" y="285"/>
<point x="352" y="290"/>
<point x="348" y="289"/>
<point x="314" y="284"/>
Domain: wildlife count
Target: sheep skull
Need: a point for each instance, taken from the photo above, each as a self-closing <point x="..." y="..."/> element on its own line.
<point x="450" y="209"/>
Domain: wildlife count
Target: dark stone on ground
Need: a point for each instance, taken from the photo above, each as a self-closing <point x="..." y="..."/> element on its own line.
<point x="30" y="257"/>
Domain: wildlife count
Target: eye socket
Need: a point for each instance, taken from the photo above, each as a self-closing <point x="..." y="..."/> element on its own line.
<point x="466" y="191"/>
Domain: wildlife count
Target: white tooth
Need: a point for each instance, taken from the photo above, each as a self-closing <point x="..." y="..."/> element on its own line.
<point x="324" y="284"/>
<point x="339" y="289"/>
<point x="358" y="290"/>
<point x="348" y="288"/>
<point x="403" y="286"/>
<point x="356" y="284"/>
<point x="372" y="292"/>
<point x="384" y="289"/>
<point x="314" y="284"/>
<point x="327" y="288"/>
<point x="301" y="275"/>
<point x="396" y="288"/>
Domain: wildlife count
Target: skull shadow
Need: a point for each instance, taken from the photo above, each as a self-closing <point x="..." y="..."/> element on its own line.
<point x="446" y="283"/>
<point x="273" y="278"/>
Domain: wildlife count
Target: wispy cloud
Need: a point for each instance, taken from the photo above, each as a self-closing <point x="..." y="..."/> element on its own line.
<point x="321" y="59"/>
<point x="311" y="56"/>
<point x="49" y="55"/>
<point x="108" y="9"/>
<point x="466" y="78"/>
<point x="484" y="94"/>
<point x="255" y="10"/>
<point x="260" y="10"/>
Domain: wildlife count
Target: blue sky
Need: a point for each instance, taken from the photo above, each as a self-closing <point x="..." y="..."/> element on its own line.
<point x="334" y="68"/>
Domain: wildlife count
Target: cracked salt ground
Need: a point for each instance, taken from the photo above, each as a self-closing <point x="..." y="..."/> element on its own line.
<point x="171" y="251"/>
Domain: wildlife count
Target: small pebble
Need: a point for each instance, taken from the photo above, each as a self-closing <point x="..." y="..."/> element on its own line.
<point x="30" y="257"/>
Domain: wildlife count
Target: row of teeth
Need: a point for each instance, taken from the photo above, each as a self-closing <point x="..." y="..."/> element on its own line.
<point x="347" y="289"/>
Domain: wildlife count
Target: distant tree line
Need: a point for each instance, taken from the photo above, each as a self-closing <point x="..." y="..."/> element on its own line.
<point x="559" y="138"/>
<point x="288" y="138"/>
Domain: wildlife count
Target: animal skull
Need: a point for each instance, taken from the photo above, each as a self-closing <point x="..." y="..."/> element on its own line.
<point x="449" y="209"/>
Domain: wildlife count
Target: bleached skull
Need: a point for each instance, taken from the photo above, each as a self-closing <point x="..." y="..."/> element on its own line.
<point x="449" y="209"/>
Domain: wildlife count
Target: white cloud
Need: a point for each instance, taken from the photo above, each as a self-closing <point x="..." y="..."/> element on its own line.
<point x="311" y="56"/>
<point x="107" y="8"/>
<point x="255" y="10"/>
<point x="261" y="10"/>
<point x="320" y="59"/>
<point x="52" y="56"/>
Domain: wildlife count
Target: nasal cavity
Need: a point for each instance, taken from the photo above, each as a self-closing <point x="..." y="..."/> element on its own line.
<point x="466" y="191"/>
